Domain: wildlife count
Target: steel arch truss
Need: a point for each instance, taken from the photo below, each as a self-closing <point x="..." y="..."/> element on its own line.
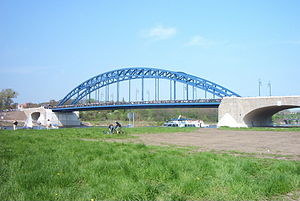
<point x="119" y="75"/>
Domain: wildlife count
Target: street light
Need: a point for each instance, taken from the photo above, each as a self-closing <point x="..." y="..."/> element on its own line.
<point x="270" y="88"/>
<point x="259" y="85"/>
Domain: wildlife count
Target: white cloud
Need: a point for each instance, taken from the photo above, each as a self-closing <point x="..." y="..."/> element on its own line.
<point x="159" y="32"/>
<point x="202" y="42"/>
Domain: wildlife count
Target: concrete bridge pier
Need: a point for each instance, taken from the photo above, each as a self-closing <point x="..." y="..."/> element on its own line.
<point x="253" y="111"/>
<point x="56" y="118"/>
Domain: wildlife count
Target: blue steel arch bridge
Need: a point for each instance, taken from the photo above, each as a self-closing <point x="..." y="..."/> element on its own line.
<point x="80" y="98"/>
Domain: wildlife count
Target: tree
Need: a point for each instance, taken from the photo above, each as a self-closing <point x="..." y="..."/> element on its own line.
<point x="6" y="96"/>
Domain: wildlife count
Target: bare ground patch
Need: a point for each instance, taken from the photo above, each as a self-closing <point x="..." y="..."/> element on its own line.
<point x="261" y="144"/>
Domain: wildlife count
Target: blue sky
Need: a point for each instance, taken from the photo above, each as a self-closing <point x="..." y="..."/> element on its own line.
<point x="49" y="47"/>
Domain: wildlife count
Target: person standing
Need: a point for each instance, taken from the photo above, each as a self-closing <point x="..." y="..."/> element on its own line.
<point x="15" y="124"/>
<point x="48" y="124"/>
<point x="39" y="124"/>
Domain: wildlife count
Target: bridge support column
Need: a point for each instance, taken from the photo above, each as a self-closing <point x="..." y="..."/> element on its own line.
<point x="174" y="90"/>
<point x="118" y="91"/>
<point x="97" y="95"/>
<point x="156" y="89"/>
<point x="253" y="111"/>
<point x="193" y="93"/>
<point x="107" y="93"/>
<point x="129" y="90"/>
<point x="170" y="89"/>
<point x="142" y="89"/>
<point x="89" y="95"/>
<point x="187" y="92"/>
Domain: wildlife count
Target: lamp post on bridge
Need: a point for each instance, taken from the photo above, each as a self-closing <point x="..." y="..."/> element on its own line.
<point x="259" y="86"/>
<point x="270" y="88"/>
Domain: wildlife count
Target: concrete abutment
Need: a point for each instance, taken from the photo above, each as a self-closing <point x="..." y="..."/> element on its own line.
<point x="56" y="118"/>
<point x="253" y="111"/>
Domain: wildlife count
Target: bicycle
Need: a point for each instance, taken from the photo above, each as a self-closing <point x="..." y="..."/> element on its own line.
<point x="106" y="132"/>
<point x="114" y="131"/>
<point x="119" y="131"/>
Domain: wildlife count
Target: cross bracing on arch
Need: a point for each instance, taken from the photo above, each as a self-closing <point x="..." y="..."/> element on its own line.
<point x="124" y="74"/>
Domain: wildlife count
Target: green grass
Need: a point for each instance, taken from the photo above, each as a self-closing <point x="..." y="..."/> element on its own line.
<point x="57" y="165"/>
<point x="297" y="129"/>
<point x="145" y="130"/>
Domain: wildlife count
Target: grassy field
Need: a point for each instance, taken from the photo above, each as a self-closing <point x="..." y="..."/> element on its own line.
<point x="58" y="165"/>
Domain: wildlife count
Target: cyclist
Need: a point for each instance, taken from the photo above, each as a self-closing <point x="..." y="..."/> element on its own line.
<point x="111" y="128"/>
<point x="118" y="127"/>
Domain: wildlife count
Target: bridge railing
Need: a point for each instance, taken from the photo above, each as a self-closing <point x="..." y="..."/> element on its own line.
<point x="136" y="103"/>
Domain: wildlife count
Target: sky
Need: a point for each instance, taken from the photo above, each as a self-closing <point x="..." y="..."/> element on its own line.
<point x="47" y="48"/>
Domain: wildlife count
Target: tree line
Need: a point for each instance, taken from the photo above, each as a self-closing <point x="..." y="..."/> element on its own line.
<point x="158" y="115"/>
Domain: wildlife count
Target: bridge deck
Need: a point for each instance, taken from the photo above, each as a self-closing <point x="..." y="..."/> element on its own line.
<point x="207" y="103"/>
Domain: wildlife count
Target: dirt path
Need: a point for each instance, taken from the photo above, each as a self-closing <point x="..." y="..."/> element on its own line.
<point x="267" y="144"/>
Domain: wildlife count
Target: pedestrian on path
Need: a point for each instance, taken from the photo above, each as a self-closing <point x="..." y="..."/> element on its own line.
<point x="15" y="124"/>
<point x="48" y="124"/>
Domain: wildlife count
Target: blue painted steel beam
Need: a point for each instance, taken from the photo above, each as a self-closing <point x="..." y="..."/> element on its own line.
<point x="138" y="106"/>
<point x="111" y="77"/>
